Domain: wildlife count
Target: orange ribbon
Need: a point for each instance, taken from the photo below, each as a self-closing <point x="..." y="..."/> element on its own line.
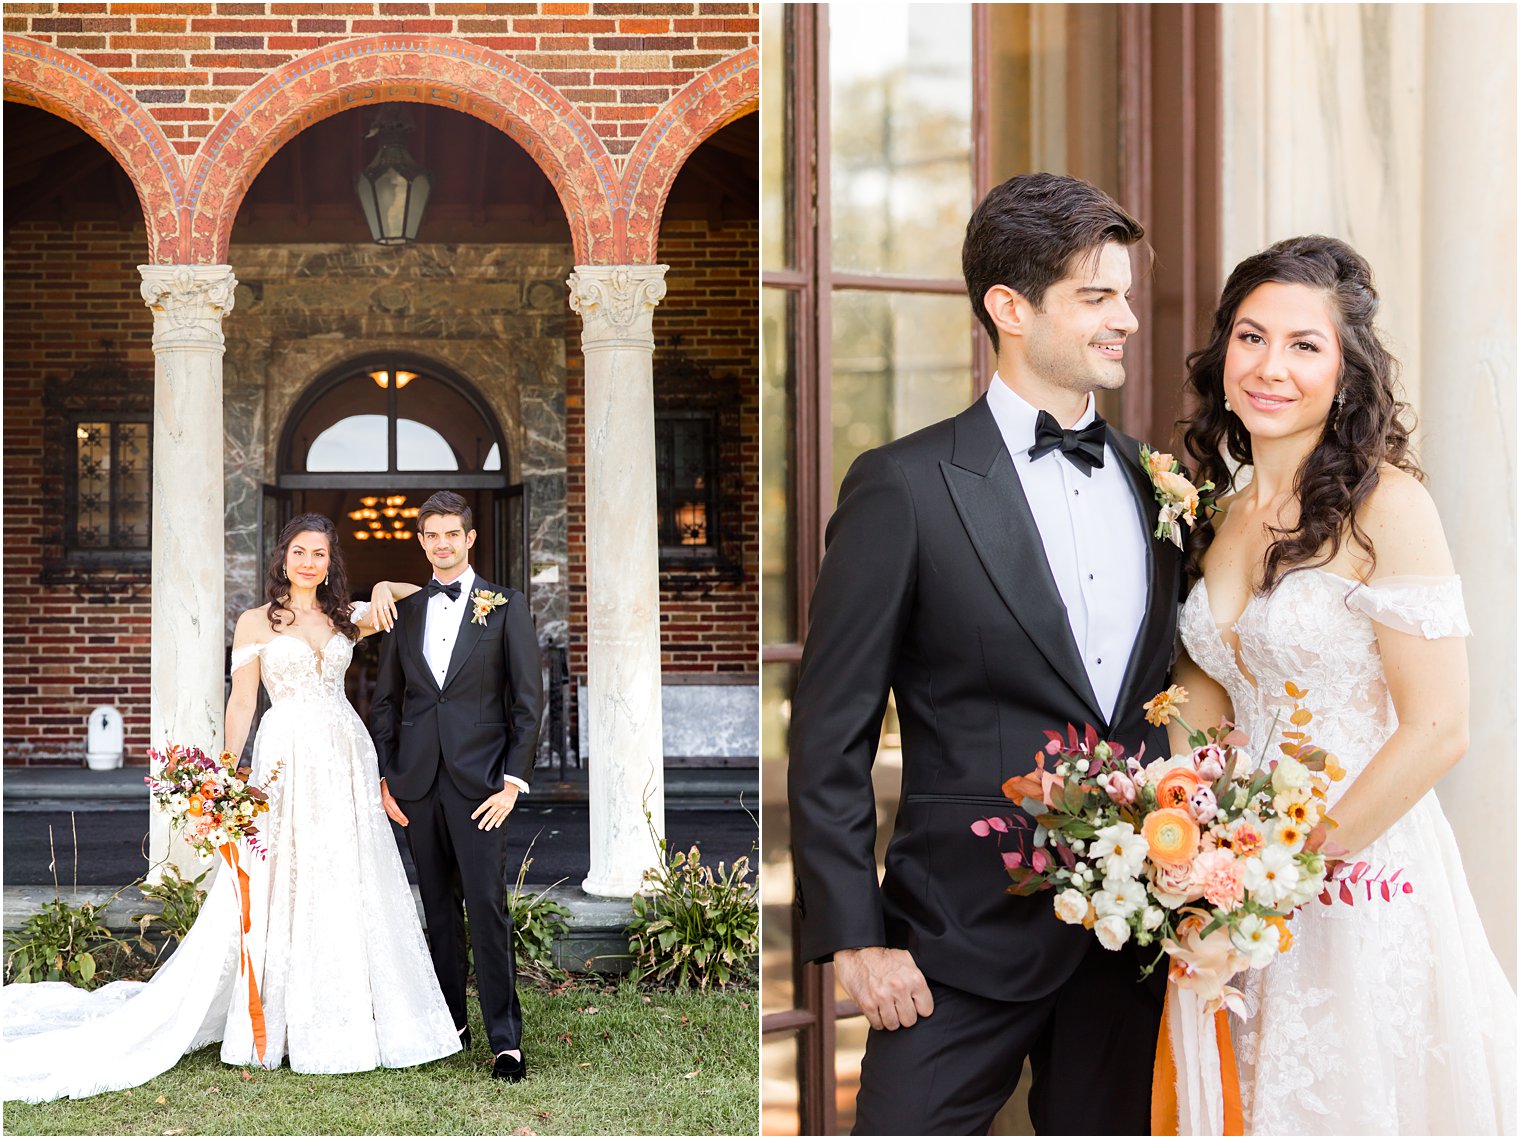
<point x="255" y="1006"/>
<point x="1164" y="1080"/>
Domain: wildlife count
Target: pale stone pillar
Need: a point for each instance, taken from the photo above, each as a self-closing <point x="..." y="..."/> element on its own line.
<point x="627" y="772"/>
<point x="188" y="631"/>
<point x="1467" y="418"/>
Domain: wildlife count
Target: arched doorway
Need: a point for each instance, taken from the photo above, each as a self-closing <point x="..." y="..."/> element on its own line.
<point x="365" y="445"/>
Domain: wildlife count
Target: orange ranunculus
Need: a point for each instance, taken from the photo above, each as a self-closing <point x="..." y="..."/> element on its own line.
<point x="195" y="805"/>
<point x="208" y="790"/>
<point x="1171" y="835"/>
<point x="1245" y="839"/>
<point x="1176" y="786"/>
<point x="1162" y="708"/>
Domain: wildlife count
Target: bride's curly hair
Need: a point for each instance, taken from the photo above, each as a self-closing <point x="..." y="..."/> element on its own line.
<point x="332" y="594"/>
<point x="1366" y="427"/>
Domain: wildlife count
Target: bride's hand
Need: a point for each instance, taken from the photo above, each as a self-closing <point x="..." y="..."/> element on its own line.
<point x="382" y="601"/>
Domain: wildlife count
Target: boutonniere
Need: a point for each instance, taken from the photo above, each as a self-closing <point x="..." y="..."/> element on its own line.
<point x="485" y="602"/>
<point x="1180" y="500"/>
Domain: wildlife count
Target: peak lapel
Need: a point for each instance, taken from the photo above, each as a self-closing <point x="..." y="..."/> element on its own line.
<point x="990" y="500"/>
<point x="1158" y="626"/>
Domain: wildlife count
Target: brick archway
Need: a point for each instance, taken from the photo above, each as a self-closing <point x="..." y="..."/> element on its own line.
<point x="401" y="68"/>
<point x="713" y="99"/>
<point x="61" y="84"/>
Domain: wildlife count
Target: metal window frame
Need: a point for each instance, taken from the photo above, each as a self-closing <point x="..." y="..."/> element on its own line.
<point x="113" y="553"/>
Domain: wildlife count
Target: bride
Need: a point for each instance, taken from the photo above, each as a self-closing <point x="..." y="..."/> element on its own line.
<point x="1329" y="568"/>
<point x="344" y="973"/>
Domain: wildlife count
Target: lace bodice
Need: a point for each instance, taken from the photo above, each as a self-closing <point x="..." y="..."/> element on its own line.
<point x="1317" y="629"/>
<point x="292" y="670"/>
<point x="1385" y="1017"/>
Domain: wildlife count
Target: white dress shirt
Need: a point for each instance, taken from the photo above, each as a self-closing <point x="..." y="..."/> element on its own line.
<point x="445" y="617"/>
<point x="1094" y="542"/>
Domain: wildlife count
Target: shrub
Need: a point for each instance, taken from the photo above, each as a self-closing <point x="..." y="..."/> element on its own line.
<point x="694" y="926"/>
<point x="537" y="920"/>
<point x="60" y="943"/>
<point x="180" y="900"/>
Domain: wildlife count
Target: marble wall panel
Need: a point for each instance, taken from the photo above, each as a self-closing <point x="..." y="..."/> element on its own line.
<point x="700" y="720"/>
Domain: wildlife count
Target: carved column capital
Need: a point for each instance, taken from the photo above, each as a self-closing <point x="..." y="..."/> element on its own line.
<point x="188" y="303"/>
<point x="616" y="304"/>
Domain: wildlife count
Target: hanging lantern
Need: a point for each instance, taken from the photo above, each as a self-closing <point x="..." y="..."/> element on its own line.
<point x="393" y="188"/>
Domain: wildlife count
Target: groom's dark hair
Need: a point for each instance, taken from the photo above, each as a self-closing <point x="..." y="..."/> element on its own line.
<point x="446" y="502"/>
<point x="1030" y="231"/>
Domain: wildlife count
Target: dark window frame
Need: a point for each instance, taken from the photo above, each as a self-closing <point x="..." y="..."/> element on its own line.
<point x="113" y="553"/>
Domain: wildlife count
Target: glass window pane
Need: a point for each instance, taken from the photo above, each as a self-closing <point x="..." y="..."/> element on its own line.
<point x="900" y="134"/>
<point x="776" y="683"/>
<point x="420" y="448"/>
<point x="458" y="439"/>
<point x="92" y="485"/>
<point x="778" y="548"/>
<point x="777" y="64"/>
<point x="778" y="1085"/>
<point x="354" y="444"/>
<point x="1054" y="78"/>
<point x="901" y="361"/>
<point x="133" y="488"/>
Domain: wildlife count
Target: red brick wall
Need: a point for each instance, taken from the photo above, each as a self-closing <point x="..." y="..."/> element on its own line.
<point x="74" y="644"/>
<point x="618" y="63"/>
<point x="711" y="303"/>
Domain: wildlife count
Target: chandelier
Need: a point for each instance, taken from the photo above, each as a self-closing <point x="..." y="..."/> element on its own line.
<point x="384" y="519"/>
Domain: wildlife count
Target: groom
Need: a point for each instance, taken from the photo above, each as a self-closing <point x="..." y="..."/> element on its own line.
<point x="996" y="572"/>
<point x="455" y="723"/>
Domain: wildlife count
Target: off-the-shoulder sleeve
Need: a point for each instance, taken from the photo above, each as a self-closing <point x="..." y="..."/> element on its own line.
<point x="1429" y="607"/>
<point x="242" y="654"/>
<point x="359" y="612"/>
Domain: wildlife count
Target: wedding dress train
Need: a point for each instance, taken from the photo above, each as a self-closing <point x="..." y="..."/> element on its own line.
<point x="343" y="969"/>
<point x="1386" y="1017"/>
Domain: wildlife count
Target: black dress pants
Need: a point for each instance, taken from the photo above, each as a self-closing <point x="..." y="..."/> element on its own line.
<point x="1091" y="1045"/>
<point x="460" y="865"/>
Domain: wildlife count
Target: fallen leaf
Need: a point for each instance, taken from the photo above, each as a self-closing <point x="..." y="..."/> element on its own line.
<point x="646" y="1000"/>
<point x="606" y="1035"/>
<point x="247" y="1075"/>
<point x="212" y="1089"/>
<point x="691" y="1075"/>
<point x="162" y="1099"/>
<point x="584" y="1064"/>
<point x="542" y="1114"/>
<point x="685" y="1019"/>
<point x="525" y="1131"/>
<point x="564" y="1038"/>
<point x="589" y="1010"/>
<point x="175" y="1131"/>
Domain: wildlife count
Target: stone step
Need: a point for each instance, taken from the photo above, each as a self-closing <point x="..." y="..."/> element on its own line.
<point x="593" y="942"/>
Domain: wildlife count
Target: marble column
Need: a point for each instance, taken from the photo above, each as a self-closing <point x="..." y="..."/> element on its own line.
<point x="627" y="767"/>
<point x="188" y="647"/>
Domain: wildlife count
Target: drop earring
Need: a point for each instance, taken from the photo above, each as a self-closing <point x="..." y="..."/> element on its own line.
<point x="1227" y="404"/>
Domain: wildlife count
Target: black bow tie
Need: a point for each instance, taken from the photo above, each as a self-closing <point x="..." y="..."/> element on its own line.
<point x="1083" y="448"/>
<point x="451" y="590"/>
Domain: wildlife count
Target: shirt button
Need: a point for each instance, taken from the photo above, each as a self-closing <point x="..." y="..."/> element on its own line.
<point x="1100" y="660"/>
<point x="1076" y="492"/>
<point x="1089" y="577"/>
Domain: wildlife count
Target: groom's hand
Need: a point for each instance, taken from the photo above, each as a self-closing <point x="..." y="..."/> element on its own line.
<point x="886" y="984"/>
<point x="496" y="809"/>
<point x="392" y="808"/>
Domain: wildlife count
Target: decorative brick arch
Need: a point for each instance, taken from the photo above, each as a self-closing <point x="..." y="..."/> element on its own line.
<point x="401" y="68"/>
<point x="712" y="100"/>
<point x="61" y="84"/>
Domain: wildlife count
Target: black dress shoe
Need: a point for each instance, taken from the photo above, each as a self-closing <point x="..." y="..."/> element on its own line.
<point x="509" y="1068"/>
<point x="464" y="1039"/>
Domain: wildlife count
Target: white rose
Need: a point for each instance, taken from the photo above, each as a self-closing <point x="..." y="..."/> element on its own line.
<point x="1271" y="876"/>
<point x="1071" y="906"/>
<point x="1289" y="775"/>
<point x="1257" y="938"/>
<point x="1112" y="932"/>
<point x="1152" y="918"/>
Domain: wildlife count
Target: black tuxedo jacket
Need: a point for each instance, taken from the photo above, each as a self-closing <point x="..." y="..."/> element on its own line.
<point x="935" y="586"/>
<point x="482" y="724"/>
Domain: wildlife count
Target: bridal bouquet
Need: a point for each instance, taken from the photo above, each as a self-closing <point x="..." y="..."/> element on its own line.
<point x="213" y="806"/>
<point x="1203" y="854"/>
<point x="210" y="803"/>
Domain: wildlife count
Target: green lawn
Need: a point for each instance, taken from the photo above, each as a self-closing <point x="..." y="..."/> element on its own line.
<point x="602" y="1060"/>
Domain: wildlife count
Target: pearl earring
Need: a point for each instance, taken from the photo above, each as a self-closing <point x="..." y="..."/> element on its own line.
<point x="1227" y="403"/>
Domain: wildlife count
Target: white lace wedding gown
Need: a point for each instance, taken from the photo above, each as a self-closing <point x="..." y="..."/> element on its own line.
<point x="1385" y="1017"/>
<point x="344" y="973"/>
